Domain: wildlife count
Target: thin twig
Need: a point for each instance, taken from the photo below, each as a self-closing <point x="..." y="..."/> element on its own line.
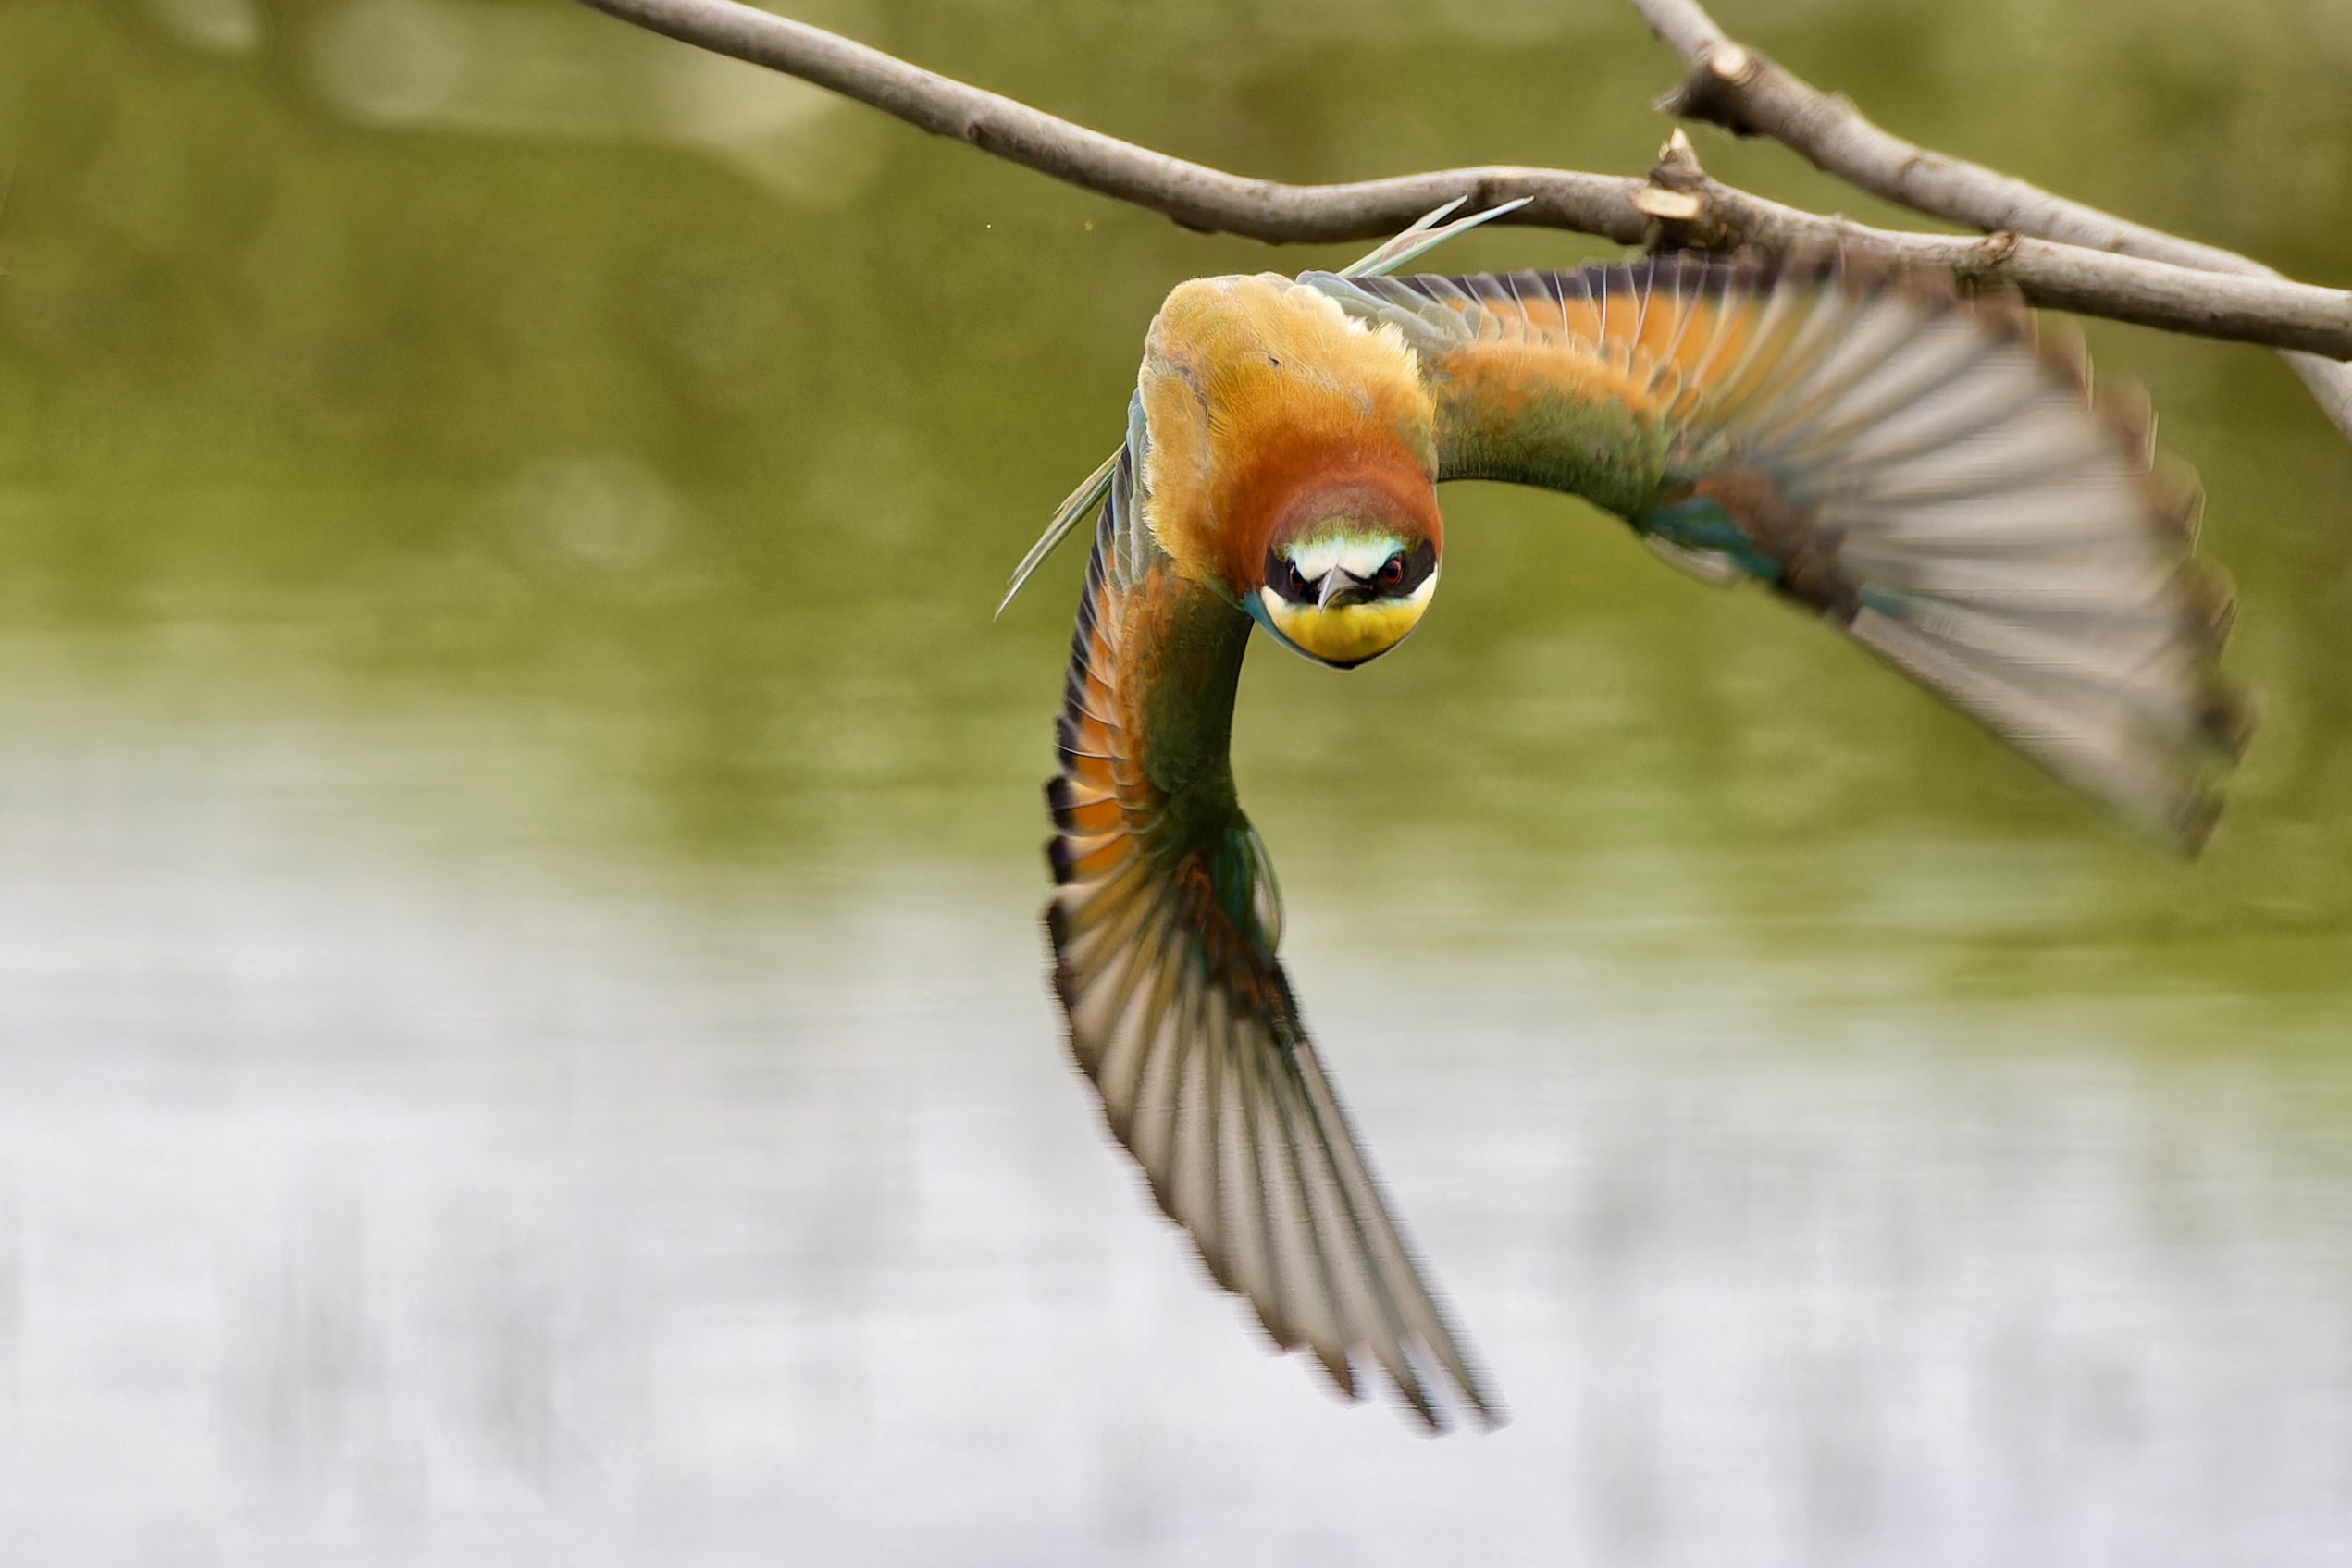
<point x="1194" y="194"/>
<point x="1679" y="202"/>
<point x="1731" y="85"/>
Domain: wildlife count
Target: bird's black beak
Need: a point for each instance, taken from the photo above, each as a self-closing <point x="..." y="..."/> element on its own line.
<point x="1342" y="586"/>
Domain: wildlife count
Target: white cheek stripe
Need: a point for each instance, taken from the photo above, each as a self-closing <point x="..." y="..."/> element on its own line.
<point x="1359" y="556"/>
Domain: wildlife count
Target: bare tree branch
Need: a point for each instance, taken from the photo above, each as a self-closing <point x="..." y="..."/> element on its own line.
<point x="2149" y="294"/>
<point x="1679" y="202"/>
<point x="1194" y="194"/>
<point x="1733" y="86"/>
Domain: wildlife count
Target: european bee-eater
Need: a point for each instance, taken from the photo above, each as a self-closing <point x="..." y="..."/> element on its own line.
<point x="1872" y="446"/>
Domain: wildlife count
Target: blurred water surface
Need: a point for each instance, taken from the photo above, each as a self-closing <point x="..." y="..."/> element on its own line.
<point x="522" y="1032"/>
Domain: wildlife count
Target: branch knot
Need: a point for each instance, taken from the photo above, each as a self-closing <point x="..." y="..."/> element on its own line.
<point x="1716" y="88"/>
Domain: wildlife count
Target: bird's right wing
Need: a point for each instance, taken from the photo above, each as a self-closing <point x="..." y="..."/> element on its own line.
<point x="1909" y="463"/>
<point x="1164" y="924"/>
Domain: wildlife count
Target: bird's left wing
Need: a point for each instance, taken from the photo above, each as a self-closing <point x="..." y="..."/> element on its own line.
<point x="1164" y="924"/>
<point x="1909" y="465"/>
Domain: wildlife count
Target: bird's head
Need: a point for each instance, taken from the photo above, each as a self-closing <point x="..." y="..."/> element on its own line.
<point x="1349" y="567"/>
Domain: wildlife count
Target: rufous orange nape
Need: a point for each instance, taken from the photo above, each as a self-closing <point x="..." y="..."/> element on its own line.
<point x="1907" y="462"/>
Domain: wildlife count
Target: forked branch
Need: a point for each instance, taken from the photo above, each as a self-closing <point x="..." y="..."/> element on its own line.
<point x="1731" y="85"/>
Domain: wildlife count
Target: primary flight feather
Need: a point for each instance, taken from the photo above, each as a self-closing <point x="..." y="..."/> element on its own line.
<point x="1906" y="463"/>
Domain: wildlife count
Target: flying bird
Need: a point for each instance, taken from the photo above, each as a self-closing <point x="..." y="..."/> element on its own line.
<point x="1907" y="462"/>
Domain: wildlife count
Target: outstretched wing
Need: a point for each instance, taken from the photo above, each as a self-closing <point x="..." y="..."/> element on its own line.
<point x="1164" y="926"/>
<point x="1907" y="462"/>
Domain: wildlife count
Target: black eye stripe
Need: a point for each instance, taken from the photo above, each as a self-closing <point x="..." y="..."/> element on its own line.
<point x="1412" y="569"/>
<point x="1284" y="577"/>
<point x="1420" y="561"/>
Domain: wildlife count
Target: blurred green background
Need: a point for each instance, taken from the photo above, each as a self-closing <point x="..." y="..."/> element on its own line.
<point x="486" y="370"/>
<point x="523" y="1034"/>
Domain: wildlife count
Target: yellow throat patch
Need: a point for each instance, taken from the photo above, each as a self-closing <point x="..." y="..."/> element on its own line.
<point x="1346" y="633"/>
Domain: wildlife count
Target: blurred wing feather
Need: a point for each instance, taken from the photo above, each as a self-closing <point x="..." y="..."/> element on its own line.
<point x="1908" y="464"/>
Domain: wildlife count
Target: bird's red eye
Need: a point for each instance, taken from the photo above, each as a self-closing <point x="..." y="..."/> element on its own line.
<point x="1392" y="571"/>
<point x="1298" y="584"/>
